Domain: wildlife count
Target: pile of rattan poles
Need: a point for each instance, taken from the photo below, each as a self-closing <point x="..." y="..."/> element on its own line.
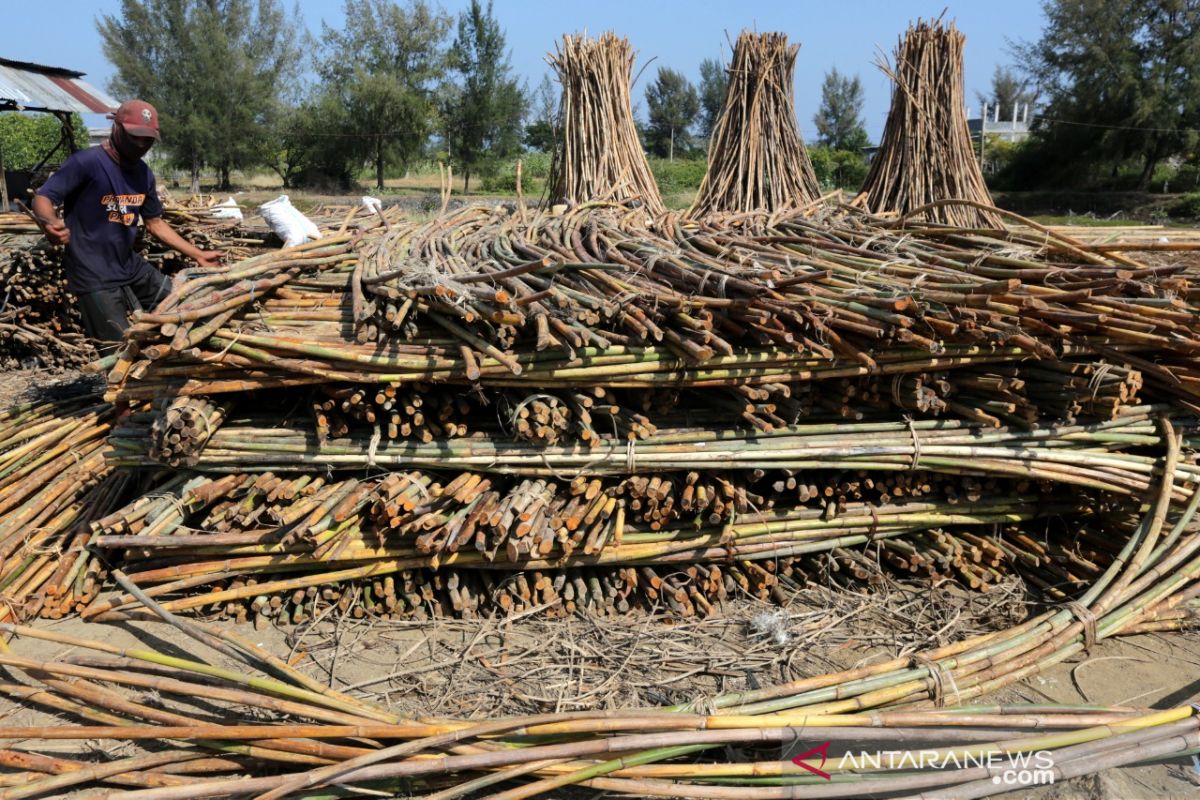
<point x="596" y="297"/>
<point x="40" y="324"/>
<point x="339" y="739"/>
<point x="769" y="401"/>
<point x="54" y="481"/>
<point x="824" y="358"/>
<point x="756" y="158"/>
<point x="599" y="156"/>
<point x="1092" y="500"/>
<point x="925" y="154"/>
<point x="607" y="410"/>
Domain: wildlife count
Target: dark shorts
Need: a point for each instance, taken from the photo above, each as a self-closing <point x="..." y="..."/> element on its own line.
<point x="106" y="311"/>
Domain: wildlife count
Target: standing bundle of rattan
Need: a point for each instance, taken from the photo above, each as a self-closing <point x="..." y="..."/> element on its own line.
<point x="599" y="156"/>
<point x="756" y="159"/>
<point x="925" y="155"/>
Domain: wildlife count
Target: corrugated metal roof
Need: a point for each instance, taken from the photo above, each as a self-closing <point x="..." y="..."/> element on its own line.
<point x="40" y="88"/>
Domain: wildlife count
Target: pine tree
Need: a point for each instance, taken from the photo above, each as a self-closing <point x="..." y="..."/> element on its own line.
<point x="839" y="118"/>
<point x="378" y="76"/>
<point x="541" y="131"/>
<point x="1008" y="93"/>
<point x="1121" y="80"/>
<point x="673" y="106"/>
<point x="217" y="72"/>
<point x="489" y="105"/>
<point x="714" y="82"/>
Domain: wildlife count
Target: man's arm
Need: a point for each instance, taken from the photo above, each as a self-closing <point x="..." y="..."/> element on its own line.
<point x="160" y="229"/>
<point x="66" y="179"/>
<point x="56" y="230"/>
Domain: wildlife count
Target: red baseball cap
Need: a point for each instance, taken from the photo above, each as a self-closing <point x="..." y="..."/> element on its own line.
<point x="137" y="117"/>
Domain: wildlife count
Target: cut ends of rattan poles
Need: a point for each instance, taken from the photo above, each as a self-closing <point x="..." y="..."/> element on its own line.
<point x="925" y="155"/>
<point x="756" y="158"/>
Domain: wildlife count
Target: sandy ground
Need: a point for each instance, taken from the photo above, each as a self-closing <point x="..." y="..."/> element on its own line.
<point x="25" y="385"/>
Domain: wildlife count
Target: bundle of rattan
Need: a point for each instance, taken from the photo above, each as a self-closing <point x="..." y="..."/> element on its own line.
<point x="40" y="324"/>
<point x="925" y="154"/>
<point x="756" y="157"/>
<point x="1025" y="395"/>
<point x="181" y="427"/>
<point x="600" y="156"/>
<point x="14" y="222"/>
<point x="329" y="738"/>
<point x="207" y="229"/>
<point x="461" y="542"/>
<point x="231" y="720"/>
<point x="39" y="321"/>
<point x="54" y="481"/>
<point x="593" y="297"/>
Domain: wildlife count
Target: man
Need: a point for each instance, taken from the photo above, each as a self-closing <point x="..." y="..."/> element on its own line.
<point x="103" y="191"/>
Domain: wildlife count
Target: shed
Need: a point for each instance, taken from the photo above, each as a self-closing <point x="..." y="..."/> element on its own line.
<point x="25" y="86"/>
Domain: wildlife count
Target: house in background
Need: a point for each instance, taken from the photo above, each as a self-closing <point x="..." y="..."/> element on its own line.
<point x="1010" y="130"/>
<point x="1014" y="130"/>
<point x="97" y="135"/>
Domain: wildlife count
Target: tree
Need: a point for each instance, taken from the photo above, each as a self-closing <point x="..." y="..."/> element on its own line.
<point x="304" y="153"/>
<point x="1008" y="92"/>
<point x="673" y="106"/>
<point x="378" y="78"/>
<point x="541" y="132"/>
<point x="153" y="46"/>
<point x="254" y="50"/>
<point x="485" y="119"/>
<point x="1121" y="80"/>
<point x="714" y="82"/>
<point x="839" y="118"/>
<point x="216" y="70"/>
<point x="838" y="169"/>
<point x="25" y="139"/>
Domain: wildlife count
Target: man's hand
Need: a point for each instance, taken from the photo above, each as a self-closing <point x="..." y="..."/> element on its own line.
<point x="209" y="258"/>
<point x="57" y="231"/>
<point x="160" y="229"/>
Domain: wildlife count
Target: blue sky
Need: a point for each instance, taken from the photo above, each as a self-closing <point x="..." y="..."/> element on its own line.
<point x="848" y="35"/>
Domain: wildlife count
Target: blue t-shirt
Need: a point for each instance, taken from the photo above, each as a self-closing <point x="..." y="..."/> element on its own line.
<point x="102" y="201"/>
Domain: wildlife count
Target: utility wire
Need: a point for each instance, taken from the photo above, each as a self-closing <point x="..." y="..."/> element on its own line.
<point x="1112" y="127"/>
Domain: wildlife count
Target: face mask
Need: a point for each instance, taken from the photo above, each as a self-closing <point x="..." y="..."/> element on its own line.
<point x="128" y="149"/>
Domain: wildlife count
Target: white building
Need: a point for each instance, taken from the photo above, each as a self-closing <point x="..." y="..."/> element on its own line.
<point x="1010" y="130"/>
